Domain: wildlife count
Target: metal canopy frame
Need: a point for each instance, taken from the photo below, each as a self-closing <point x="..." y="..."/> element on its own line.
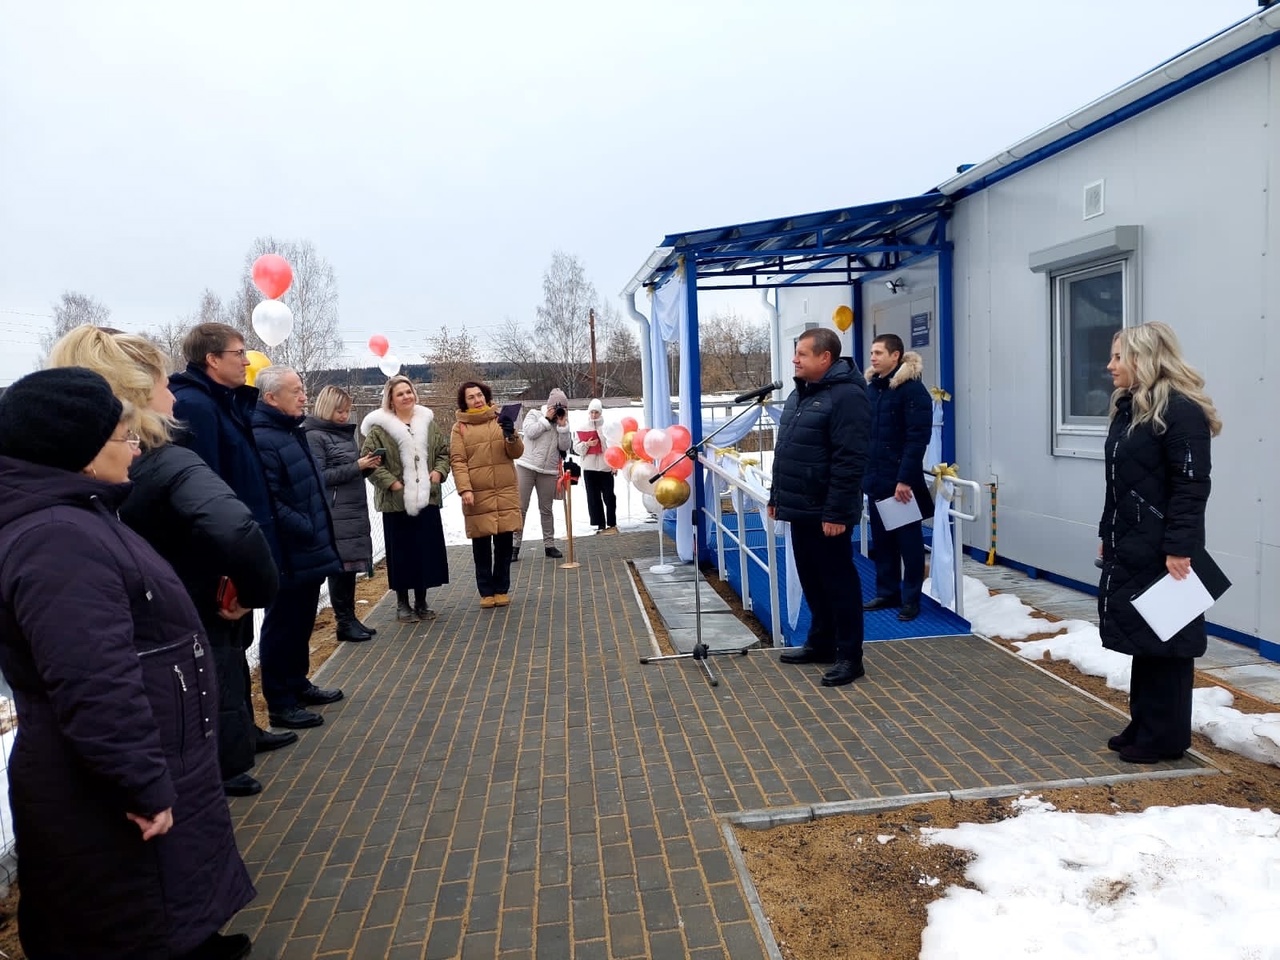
<point x="832" y="248"/>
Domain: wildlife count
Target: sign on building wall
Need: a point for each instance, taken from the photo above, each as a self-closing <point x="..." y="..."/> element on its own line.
<point x="919" y="330"/>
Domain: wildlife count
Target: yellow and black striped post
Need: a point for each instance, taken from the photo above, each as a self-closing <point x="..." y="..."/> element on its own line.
<point x="991" y="554"/>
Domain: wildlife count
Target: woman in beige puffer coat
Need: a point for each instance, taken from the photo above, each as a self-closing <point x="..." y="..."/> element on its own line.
<point x="482" y="452"/>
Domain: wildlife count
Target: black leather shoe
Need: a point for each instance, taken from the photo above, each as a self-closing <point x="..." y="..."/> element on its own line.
<point x="881" y="603"/>
<point x="264" y="740"/>
<point x="845" y="671"/>
<point x="807" y="654"/>
<point x="241" y="785"/>
<point x="235" y="946"/>
<point x="295" y="718"/>
<point x="553" y="553"/>
<point x="351" y="633"/>
<point x="909" y="612"/>
<point x="371" y="631"/>
<point x="1119" y="742"/>
<point x="316" y="695"/>
<point x="424" y="612"/>
<point x="405" y="614"/>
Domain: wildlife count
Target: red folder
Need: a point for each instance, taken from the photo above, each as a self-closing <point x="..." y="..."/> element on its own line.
<point x="591" y="438"/>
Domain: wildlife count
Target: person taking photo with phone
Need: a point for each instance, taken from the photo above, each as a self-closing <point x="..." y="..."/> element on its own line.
<point x="332" y="438"/>
<point x="546" y="441"/>
<point x="408" y="495"/>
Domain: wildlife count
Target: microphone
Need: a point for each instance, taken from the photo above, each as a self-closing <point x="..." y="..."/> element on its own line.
<point x="758" y="394"/>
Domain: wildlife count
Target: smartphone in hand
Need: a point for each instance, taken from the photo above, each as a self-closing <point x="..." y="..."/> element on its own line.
<point x="227" y="596"/>
<point x="381" y="453"/>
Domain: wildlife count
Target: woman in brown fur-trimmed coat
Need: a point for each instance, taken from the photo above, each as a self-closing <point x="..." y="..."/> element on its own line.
<point x="483" y="450"/>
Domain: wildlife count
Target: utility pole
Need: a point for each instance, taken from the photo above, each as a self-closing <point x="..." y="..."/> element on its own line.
<point x="591" y="323"/>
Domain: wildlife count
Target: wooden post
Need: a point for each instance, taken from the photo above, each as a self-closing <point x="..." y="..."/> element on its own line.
<point x="570" y="563"/>
<point x="591" y="323"/>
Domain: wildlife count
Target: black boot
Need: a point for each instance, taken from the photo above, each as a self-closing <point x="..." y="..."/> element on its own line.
<point x="342" y="595"/>
<point x="420" y="608"/>
<point x="404" y="612"/>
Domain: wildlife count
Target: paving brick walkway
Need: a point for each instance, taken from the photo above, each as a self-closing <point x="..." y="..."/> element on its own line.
<point x="514" y="784"/>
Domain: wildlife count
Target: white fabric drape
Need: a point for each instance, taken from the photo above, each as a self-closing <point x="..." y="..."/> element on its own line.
<point x="793" y="576"/>
<point x="942" y="565"/>
<point x="933" y="453"/>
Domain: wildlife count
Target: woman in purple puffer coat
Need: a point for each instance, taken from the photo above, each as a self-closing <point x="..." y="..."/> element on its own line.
<point x="124" y="841"/>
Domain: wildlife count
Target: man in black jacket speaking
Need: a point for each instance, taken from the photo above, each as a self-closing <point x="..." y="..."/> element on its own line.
<point x="817" y="486"/>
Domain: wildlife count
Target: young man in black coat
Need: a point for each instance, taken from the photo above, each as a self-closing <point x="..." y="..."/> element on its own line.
<point x="303" y="543"/>
<point x="216" y="406"/>
<point x="901" y="422"/>
<point x="817" y="487"/>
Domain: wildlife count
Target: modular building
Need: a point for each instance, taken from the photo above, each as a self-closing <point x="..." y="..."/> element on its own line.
<point x="1159" y="201"/>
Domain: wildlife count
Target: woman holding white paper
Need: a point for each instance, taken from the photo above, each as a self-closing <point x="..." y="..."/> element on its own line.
<point x="1157" y="469"/>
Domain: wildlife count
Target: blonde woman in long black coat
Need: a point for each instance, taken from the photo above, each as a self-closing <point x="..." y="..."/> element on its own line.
<point x="1157" y="468"/>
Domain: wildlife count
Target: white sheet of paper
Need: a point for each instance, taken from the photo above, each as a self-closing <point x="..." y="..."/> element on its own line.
<point x="894" y="514"/>
<point x="1168" y="605"/>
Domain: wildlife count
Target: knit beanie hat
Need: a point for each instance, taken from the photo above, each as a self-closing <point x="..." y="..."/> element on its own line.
<point x="59" y="418"/>
<point x="556" y="396"/>
<point x="595" y="406"/>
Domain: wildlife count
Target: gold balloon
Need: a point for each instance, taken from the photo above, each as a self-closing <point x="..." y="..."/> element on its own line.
<point x="257" y="361"/>
<point x="671" y="492"/>
<point x="626" y="444"/>
<point x="842" y="318"/>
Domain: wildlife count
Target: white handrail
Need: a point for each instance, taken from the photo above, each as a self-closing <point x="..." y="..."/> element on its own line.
<point x="755" y="486"/>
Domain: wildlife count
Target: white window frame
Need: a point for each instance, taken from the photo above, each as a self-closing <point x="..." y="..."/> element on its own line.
<point x="1105" y="252"/>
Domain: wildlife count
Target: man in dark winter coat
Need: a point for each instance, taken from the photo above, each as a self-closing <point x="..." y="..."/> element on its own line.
<point x="303" y="542"/>
<point x="901" y="422"/>
<point x="817" y="487"/>
<point x="216" y="407"/>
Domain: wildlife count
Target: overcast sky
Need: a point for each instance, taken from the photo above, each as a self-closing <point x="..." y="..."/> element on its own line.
<point x="438" y="153"/>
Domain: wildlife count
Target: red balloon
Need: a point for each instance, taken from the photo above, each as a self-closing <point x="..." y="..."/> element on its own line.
<point x="379" y="345"/>
<point x="616" y="457"/>
<point x="637" y="444"/>
<point x="272" y="275"/>
<point x="629" y="424"/>
<point x="677" y="465"/>
<point x="680" y="438"/>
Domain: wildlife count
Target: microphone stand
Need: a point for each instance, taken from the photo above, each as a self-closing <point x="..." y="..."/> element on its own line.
<point x="701" y="651"/>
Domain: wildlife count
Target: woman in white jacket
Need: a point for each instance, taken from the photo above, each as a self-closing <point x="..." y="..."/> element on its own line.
<point x="597" y="475"/>
<point x="546" y="441"/>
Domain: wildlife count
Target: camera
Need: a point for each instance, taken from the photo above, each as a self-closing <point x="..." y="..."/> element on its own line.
<point x="560" y="410"/>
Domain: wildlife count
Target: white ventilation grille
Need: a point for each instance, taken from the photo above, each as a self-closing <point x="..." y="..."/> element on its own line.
<point x="1094" y="199"/>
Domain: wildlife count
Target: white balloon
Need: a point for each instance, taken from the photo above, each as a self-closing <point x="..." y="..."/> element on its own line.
<point x="626" y="470"/>
<point x="657" y="443"/>
<point x="640" y="474"/>
<point x="389" y="364"/>
<point x="273" y="322"/>
<point x="612" y="433"/>
<point x="651" y="503"/>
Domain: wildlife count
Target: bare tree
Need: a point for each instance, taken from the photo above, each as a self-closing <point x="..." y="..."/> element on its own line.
<point x="515" y="345"/>
<point x="734" y="352"/>
<point x="562" y="330"/>
<point x="315" y="343"/>
<point x="73" y="310"/>
<point x="620" y="369"/>
<point x="170" y="335"/>
<point x="454" y="359"/>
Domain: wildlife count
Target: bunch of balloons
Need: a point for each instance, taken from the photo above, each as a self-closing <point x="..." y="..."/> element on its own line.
<point x="641" y="453"/>
<point x="272" y="319"/>
<point x="388" y="362"/>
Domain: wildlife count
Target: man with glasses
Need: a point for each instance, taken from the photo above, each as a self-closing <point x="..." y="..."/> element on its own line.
<point x="216" y="407"/>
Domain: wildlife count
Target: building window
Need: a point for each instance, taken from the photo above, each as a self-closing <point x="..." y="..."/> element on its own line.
<point x="1094" y="289"/>
<point x="1088" y="309"/>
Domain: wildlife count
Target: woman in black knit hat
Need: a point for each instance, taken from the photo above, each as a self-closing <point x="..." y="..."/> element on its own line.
<point x="121" y="825"/>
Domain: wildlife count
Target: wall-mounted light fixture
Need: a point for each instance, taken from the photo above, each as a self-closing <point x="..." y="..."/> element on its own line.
<point x="896" y="284"/>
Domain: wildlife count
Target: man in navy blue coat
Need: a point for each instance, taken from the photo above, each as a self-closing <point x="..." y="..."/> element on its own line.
<point x="901" y="422"/>
<point x="305" y="548"/>
<point x="817" y="486"/>
<point x="216" y="409"/>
